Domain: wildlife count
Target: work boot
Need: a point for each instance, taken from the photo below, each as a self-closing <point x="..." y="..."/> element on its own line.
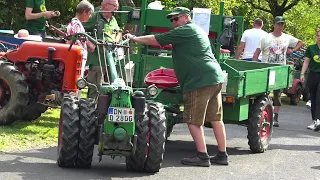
<point x="317" y="125"/>
<point x="275" y="120"/>
<point x="221" y="158"/>
<point x="201" y="159"/>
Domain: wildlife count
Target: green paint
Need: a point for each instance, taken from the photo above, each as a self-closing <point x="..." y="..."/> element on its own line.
<point x="119" y="134"/>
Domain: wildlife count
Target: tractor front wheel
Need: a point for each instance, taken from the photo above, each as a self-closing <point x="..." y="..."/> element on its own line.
<point x="157" y="137"/>
<point x="88" y="126"/>
<point x="13" y="93"/>
<point x="68" y="137"/>
<point x="260" y="124"/>
<point x="137" y="160"/>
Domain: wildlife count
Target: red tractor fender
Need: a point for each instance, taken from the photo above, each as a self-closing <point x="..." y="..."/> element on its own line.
<point x="2" y="54"/>
<point x="295" y="82"/>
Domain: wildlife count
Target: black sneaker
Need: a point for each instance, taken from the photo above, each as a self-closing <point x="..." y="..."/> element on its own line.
<point x="196" y="161"/>
<point x="275" y="120"/>
<point x="218" y="159"/>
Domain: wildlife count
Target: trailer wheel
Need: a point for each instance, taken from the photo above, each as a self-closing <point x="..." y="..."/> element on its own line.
<point x="68" y="137"/>
<point x="295" y="97"/>
<point x="13" y="93"/>
<point x="88" y="126"/>
<point x="260" y="124"/>
<point x="137" y="160"/>
<point x="157" y="137"/>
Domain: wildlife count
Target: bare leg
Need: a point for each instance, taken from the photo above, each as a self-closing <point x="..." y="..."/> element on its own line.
<point x="198" y="137"/>
<point x="276" y="109"/>
<point x="220" y="134"/>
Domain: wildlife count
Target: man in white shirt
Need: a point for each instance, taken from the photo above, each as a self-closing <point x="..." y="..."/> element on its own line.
<point x="250" y="40"/>
<point x="274" y="48"/>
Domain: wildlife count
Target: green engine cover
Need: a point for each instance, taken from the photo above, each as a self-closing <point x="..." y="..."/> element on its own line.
<point x="120" y="98"/>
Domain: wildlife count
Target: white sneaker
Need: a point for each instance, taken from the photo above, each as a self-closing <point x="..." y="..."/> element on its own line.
<point x="317" y="125"/>
<point x="313" y="125"/>
<point x="308" y="104"/>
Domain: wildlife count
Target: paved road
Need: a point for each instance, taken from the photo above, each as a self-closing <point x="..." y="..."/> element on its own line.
<point x="294" y="154"/>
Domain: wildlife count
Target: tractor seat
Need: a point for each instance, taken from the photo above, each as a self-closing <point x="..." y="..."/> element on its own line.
<point x="162" y="78"/>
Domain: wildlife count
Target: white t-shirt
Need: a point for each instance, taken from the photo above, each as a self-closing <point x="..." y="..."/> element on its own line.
<point x="274" y="49"/>
<point x="252" y="38"/>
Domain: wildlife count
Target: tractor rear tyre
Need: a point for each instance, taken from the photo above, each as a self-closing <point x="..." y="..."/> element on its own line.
<point x="260" y="124"/>
<point x="137" y="160"/>
<point x="88" y="127"/>
<point x="68" y="137"/>
<point x="157" y="137"/>
<point x="295" y="97"/>
<point x="13" y="93"/>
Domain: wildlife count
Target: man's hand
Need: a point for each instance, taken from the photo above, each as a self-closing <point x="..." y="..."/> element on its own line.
<point x="56" y="13"/>
<point x="49" y="14"/>
<point x="129" y="36"/>
<point x="302" y="79"/>
<point x="289" y="51"/>
<point x="91" y="46"/>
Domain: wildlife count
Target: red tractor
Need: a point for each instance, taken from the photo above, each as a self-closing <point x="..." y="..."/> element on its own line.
<point x="31" y="78"/>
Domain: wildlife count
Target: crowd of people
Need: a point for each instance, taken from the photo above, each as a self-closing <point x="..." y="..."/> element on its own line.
<point x="200" y="75"/>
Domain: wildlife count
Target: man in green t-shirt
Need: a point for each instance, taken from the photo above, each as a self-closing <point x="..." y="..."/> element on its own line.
<point x="200" y="78"/>
<point x="104" y="23"/>
<point x="36" y="14"/>
<point x="312" y="60"/>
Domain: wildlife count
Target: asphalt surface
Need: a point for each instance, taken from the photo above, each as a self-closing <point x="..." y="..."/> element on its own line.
<point x="294" y="154"/>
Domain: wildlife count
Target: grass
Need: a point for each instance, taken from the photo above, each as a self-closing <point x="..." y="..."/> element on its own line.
<point x="40" y="133"/>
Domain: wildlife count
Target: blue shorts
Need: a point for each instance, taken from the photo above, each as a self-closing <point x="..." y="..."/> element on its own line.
<point x="250" y="59"/>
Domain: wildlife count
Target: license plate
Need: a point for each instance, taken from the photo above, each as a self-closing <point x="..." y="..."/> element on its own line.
<point x="124" y="115"/>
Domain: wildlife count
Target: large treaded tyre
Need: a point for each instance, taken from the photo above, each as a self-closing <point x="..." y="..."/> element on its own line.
<point x="157" y="137"/>
<point x="136" y="162"/>
<point x="260" y="124"/>
<point x="13" y="93"/>
<point x="68" y="138"/>
<point x="88" y="127"/>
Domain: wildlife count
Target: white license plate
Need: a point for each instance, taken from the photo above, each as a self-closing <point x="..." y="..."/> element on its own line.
<point x="124" y="115"/>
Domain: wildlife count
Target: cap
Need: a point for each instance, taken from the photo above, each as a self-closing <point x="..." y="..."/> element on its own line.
<point x="178" y="10"/>
<point x="279" y="19"/>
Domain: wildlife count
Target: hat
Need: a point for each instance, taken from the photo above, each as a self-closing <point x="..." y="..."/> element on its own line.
<point x="279" y="19"/>
<point x="178" y="10"/>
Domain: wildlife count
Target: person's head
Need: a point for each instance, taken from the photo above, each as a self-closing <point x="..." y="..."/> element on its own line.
<point x="84" y="10"/>
<point x="258" y="23"/>
<point x="279" y="23"/>
<point x="109" y="5"/>
<point x="179" y="16"/>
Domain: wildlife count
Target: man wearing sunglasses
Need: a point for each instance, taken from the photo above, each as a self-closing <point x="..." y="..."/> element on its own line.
<point x="104" y="23"/>
<point x="200" y="78"/>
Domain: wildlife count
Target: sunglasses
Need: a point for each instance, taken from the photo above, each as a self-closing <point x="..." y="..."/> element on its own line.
<point x="175" y="19"/>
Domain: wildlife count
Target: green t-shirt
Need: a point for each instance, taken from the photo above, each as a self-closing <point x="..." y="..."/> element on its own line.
<point x="97" y="21"/>
<point x="194" y="63"/>
<point x="36" y="25"/>
<point x="313" y="53"/>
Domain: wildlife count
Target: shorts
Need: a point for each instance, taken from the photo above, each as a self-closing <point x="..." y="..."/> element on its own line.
<point x="203" y="105"/>
<point x="277" y="97"/>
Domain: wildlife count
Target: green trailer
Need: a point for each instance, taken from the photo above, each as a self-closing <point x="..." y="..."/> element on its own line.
<point x="247" y="84"/>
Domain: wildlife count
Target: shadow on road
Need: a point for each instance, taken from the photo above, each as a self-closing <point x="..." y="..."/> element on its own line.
<point x="45" y="165"/>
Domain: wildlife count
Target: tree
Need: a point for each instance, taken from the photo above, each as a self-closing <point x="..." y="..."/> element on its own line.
<point x="275" y="8"/>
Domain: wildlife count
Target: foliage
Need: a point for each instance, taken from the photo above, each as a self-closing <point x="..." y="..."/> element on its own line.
<point x="301" y="15"/>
